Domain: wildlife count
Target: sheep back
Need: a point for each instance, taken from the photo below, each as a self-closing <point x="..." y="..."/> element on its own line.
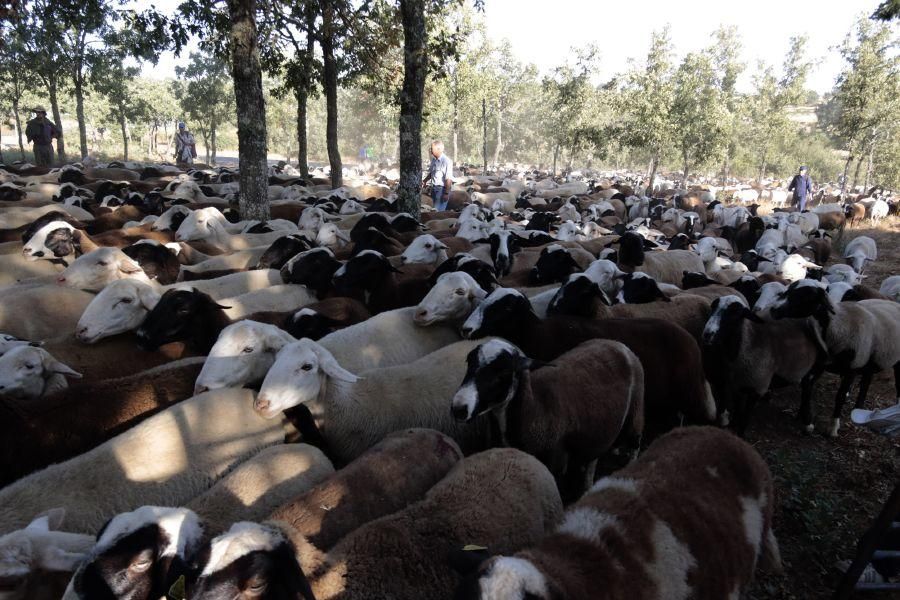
<point x="687" y="310"/>
<point x="42" y="312"/>
<point x="669" y="266"/>
<point x="386" y="478"/>
<point x="259" y="485"/>
<point x="166" y="460"/>
<point x="502" y="498"/>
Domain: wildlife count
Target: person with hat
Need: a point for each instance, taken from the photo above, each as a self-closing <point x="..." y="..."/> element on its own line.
<point x="40" y="132"/>
<point x="185" y="146"/>
<point x="801" y="186"/>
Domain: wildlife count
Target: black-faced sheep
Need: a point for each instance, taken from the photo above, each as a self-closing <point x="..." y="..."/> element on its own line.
<point x="689" y="519"/>
<point x="503" y="499"/>
<point x="863" y="338"/>
<point x="670" y="387"/>
<point x="540" y="412"/>
<point x="744" y="356"/>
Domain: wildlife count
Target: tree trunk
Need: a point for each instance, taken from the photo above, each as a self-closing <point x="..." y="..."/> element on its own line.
<point x="484" y="134"/>
<point x="251" y="110"/>
<point x="654" y="164"/>
<point x="684" y="183"/>
<point x="869" y="167"/>
<point x="79" y="112"/>
<point x="57" y="118"/>
<point x="302" y="150"/>
<point x="212" y="141"/>
<point x="124" y="133"/>
<point x="555" y="156"/>
<point x="18" y="127"/>
<point x="846" y="171"/>
<point x="859" y="163"/>
<point x="412" y="14"/>
<point x="499" y="137"/>
<point x="330" y="85"/>
<point x="456" y="115"/>
<point x="206" y="146"/>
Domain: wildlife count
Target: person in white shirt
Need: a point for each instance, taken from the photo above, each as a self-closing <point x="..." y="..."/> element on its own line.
<point x="440" y="175"/>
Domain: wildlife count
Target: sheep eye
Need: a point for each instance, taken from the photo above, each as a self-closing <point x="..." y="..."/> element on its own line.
<point x="247" y="350"/>
<point x="29" y="367"/>
<point x="256" y="587"/>
<point x="460" y="292"/>
<point x="307" y="367"/>
<point x="102" y="263"/>
<point x="141" y="565"/>
<point x="126" y="300"/>
<point x="428" y="246"/>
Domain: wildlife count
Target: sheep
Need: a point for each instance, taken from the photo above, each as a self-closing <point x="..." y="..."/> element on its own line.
<point x="538" y="412"/>
<point x="369" y="276"/>
<point x="862" y="338"/>
<point x="242" y="355"/>
<point x="93" y="270"/>
<point x="138" y="554"/>
<point x="555" y="263"/>
<point x="845" y="273"/>
<point x="261" y="484"/>
<point x="317" y="320"/>
<point x="689" y="519"/>
<point x="167" y="459"/>
<point x="743" y="356"/>
<point x="353" y="413"/>
<point x="278" y="253"/>
<point x="501" y="498"/>
<point x="207" y="224"/>
<point x="796" y="267"/>
<point x="42" y="312"/>
<point x="451" y="299"/>
<point x="859" y="252"/>
<point x="28" y="371"/>
<point x="669" y="388"/>
<point x="194" y="317"/>
<point x="38" y="560"/>
<point x="54" y="427"/>
<point x="665" y="267"/>
<point x="844" y="292"/>
<point x="124" y="304"/>
<point x="890" y="287"/>
<point x="582" y="297"/>
<point x="381" y="481"/>
<point x="768" y="297"/>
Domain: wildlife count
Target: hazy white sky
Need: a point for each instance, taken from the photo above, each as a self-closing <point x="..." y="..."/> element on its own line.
<point x="543" y="31"/>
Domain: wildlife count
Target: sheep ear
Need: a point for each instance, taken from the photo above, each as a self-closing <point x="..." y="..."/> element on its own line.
<point x="342" y="236"/>
<point x="126" y="265"/>
<point x="331" y="367"/>
<point x="57" y="559"/>
<point x="48" y="520"/>
<point x="148" y="297"/>
<point x="442" y="246"/>
<point x="752" y="316"/>
<point x="54" y="366"/>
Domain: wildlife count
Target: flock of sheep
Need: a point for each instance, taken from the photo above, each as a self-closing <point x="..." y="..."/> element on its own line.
<point x="525" y="396"/>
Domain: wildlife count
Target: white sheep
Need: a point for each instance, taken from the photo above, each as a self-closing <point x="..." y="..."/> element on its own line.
<point x="30" y="372"/>
<point x="795" y="267"/>
<point x="452" y="299"/>
<point x="768" y="297"/>
<point x="92" y="271"/>
<point x="354" y="413"/>
<point x="167" y="459"/>
<point x="425" y="249"/>
<point x="243" y="354"/>
<point x="859" y="252"/>
<point x="890" y="287"/>
<point x="207" y="224"/>
<point x="846" y="273"/>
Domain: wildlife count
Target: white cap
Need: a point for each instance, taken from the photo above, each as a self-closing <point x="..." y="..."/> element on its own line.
<point x="885" y="421"/>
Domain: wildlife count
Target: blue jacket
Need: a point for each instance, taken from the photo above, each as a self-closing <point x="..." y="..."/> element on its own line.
<point x="801" y="186"/>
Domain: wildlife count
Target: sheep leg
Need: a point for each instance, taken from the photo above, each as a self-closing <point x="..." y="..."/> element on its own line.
<point x="806" y="387"/>
<point x="842" y="394"/>
<point x="864" y="383"/>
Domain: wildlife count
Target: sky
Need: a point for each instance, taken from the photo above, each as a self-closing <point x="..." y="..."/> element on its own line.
<point x="544" y="31"/>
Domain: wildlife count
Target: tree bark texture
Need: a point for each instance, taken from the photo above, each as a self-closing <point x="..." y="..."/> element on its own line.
<point x="484" y="135"/>
<point x="19" y="127"/>
<point x="251" y="110"/>
<point x="412" y="13"/>
<point x="302" y="151"/>
<point x="654" y="164"/>
<point x="52" y="89"/>
<point x="124" y="127"/>
<point x="212" y="139"/>
<point x="846" y="171"/>
<point x="499" y="145"/>
<point x="79" y="113"/>
<point x="330" y="84"/>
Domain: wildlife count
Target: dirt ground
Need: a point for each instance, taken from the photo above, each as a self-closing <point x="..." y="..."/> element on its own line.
<point x="827" y="490"/>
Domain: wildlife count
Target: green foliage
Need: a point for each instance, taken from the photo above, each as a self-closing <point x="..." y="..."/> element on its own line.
<point x="205" y="96"/>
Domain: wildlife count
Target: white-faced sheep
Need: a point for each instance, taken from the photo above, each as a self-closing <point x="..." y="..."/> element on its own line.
<point x="451" y="300"/>
<point x="28" y="371"/>
<point x="352" y="412"/>
<point x="503" y="499"/>
<point x="863" y="338"/>
<point x="242" y="355"/>
<point x="845" y="273"/>
<point x="689" y="519"/>
<point x="890" y="287"/>
<point x="539" y="412"/>
<point x="38" y="560"/>
<point x="168" y="459"/>
<point x="859" y="252"/>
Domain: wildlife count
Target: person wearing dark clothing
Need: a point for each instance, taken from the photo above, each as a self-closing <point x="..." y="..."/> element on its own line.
<point x="801" y="186"/>
<point x="41" y="132"/>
